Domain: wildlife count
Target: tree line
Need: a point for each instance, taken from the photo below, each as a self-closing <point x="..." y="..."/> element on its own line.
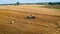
<point x="49" y="3"/>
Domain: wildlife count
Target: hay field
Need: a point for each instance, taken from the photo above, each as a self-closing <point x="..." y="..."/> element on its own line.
<point x="47" y="20"/>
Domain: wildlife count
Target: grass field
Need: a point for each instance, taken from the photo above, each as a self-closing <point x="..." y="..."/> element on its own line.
<point x="47" y="20"/>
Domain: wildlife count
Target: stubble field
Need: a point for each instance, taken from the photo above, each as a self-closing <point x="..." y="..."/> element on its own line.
<point x="47" y="20"/>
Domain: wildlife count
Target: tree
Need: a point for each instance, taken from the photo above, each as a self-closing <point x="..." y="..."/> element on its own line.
<point x="50" y="3"/>
<point x="17" y="3"/>
<point x="38" y="3"/>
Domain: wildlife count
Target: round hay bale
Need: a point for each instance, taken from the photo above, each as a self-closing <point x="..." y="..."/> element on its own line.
<point x="12" y="22"/>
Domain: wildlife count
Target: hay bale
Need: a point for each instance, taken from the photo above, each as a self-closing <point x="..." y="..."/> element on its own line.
<point x="12" y="22"/>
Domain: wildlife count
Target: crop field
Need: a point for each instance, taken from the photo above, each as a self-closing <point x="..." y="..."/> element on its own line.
<point x="47" y="20"/>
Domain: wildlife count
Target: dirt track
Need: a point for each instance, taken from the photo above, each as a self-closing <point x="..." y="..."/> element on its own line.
<point x="43" y="24"/>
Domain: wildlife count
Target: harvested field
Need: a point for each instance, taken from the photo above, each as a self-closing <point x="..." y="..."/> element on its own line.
<point x="52" y="6"/>
<point x="47" y="21"/>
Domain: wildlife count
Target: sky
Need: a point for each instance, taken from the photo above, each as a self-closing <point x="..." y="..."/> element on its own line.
<point x="26" y="1"/>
